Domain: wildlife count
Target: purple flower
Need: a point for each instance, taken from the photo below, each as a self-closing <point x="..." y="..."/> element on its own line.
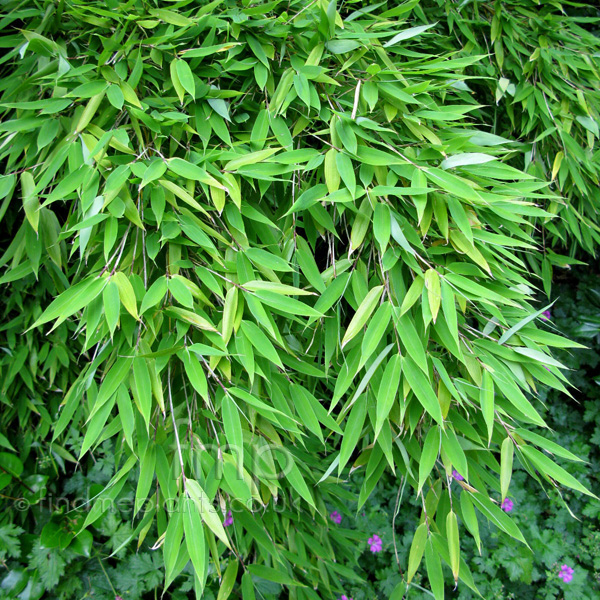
<point x="546" y="315"/>
<point x="507" y="505"/>
<point x="457" y="475"/>
<point x="344" y="597"/>
<point x="375" y="543"/>
<point x="229" y="520"/>
<point x="566" y="573"/>
<point x="336" y="517"/>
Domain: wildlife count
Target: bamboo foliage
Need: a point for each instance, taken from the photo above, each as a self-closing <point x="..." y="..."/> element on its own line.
<point x="540" y="78"/>
<point x="259" y="247"/>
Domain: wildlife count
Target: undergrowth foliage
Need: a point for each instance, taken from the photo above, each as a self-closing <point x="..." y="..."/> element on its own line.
<point x="247" y="250"/>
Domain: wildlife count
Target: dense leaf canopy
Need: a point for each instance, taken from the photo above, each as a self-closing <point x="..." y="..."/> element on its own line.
<point x="255" y="247"/>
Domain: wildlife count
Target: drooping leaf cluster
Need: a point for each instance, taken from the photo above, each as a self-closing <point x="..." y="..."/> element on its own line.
<point x="255" y="247"/>
<point x="540" y="79"/>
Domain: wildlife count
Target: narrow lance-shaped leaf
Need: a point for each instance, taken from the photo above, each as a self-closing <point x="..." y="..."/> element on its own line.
<point x="417" y="549"/>
<point x="361" y="316"/>
<point x="453" y="543"/>
<point x="31" y="202"/>
<point x="387" y="391"/>
<point x="506" y="463"/>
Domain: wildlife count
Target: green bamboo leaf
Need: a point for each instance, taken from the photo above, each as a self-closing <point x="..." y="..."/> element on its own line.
<point x="486" y="400"/>
<point x="466" y="159"/>
<point x="89" y="111"/>
<point x="429" y="455"/>
<point x="549" y="468"/>
<point x="547" y="445"/>
<point x="248" y="587"/>
<point x="261" y="342"/>
<point x="352" y="431"/>
<point x="228" y="580"/>
<point x="112" y="305"/>
<point x="190" y="317"/>
<point x="115" y="96"/>
<point x="455" y="453"/>
<point x="286" y="305"/>
<point x="267" y="259"/>
<point x="506" y="463"/>
<point x="271" y="574"/>
<point x="155" y="170"/>
<point x="126" y="293"/>
<point x="233" y="428"/>
<point x="514" y="395"/>
<point x="388" y="388"/>
<point x="375" y="333"/>
<point x="195" y="540"/>
<point x="112" y="380"/>
<point x="276" y="288"/>
<point x="412" y="342"/>
<point x="497" y="516"/>
<point x="194" y="372"/>
<point x="408" y="34"/>
<point x="68" y="185"/>
<point x="188" y="170"/>
<point x="220" y="107"/>
<point x="453" y="184"/>
<point x="382" y="225"/>
<point x="186" y="78"/>
<point x="179" y="89"/>
<point x="254" y="401"/>
<point x="453" y="543"/>
<point x="305" y="411"/>
<point x="432" y="283"/>
<point x="524" y="321"/>
<point x="308" y="265"/>
<point x="449" y="310"/>
<point x="206" y="509"/>
<point x="469" y="518"/>
<point x="126" y="414"/>
<point x="297" y="481"/>
<point x="250" y="158"/>
<point x="31" y="203"/>
<point x="434" y="571"/>
<point x="181" y="292"/>
<point x="332" y="174"/>
<point x="413" y="294"/>
<point x="145" y="479"/>
<point x="156" y="292"/>
<point x="361" y="316"/>
<point x="96" y="425"/>
<point x="422" y="389"/>
<point x="346" y="171"/>
<point x="361" y="224"/>
<point x="417" y="549"/>
<point x="172" y="543"/>
<point x="143" y="387"/>
<point x="229" y="311"/>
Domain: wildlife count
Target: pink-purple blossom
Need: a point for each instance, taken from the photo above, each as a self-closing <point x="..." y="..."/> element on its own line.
<point x="546" y="315"/>
<point x="566" y="573"/>
<point x="375" y="543"/>
<point x="336" y="517"/>
<point x="457" y="475"/>
<point x="344" y="597"/>
<point x="228" y="520"/>
<point x="507" y="505"/>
